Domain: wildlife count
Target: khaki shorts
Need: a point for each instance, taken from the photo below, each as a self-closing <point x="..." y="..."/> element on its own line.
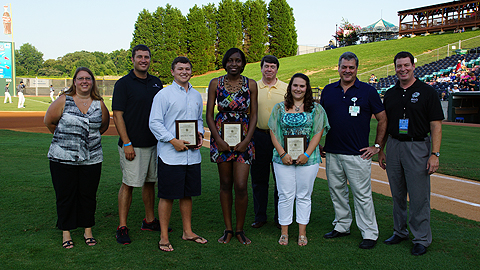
<point x="143" y="168"/>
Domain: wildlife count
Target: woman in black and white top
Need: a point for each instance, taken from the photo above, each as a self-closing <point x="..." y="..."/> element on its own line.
<point x="77" y="119"/>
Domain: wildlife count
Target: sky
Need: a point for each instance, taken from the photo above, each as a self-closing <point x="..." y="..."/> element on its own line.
<point x="58" y="27"/>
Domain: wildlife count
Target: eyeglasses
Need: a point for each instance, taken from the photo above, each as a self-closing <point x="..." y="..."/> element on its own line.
<point x="88" y="79"/>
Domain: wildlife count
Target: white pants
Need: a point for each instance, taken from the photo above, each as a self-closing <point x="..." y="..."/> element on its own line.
<point x="294" y="183"/>
<point x="7" y="95"/>
<point x="51" y="96"/>
<point x="357" y="170"/>
<point x="21" y="100"/>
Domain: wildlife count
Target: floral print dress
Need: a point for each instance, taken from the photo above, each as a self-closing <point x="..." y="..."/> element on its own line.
<point x="232" y="107"/>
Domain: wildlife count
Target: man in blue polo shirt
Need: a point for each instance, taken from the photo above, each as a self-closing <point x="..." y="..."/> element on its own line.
<point x="349" y="104"/>
<point x="132" y="99"/>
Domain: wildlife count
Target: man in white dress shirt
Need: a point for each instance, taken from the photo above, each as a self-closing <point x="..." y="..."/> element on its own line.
<point x="178" y="160"/>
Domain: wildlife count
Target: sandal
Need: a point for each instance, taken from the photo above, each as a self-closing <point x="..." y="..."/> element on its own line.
<point x="196" y="239"/>
<point x="167" y="247"/>
<point x="302" y="240"/>
<point x="245" y="240"/>
<point x="283" y="240"/>
<point x="223" y="239"/>
<point x="67" y="244"/>
<point x="90" y="241"/>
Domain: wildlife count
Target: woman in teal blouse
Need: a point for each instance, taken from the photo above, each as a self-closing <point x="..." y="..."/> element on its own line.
<point x="295" y="175"/>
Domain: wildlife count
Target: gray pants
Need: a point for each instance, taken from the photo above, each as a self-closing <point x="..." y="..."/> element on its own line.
<point x="339" y="168"/>
<point x="407" y="172"/>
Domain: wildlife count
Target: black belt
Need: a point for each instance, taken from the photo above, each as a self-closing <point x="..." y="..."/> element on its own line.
<point x="408" y="138"/>
<point x="263" y="130"/>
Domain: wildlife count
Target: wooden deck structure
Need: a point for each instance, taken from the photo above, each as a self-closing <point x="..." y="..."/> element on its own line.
<point x="455" y="15"/>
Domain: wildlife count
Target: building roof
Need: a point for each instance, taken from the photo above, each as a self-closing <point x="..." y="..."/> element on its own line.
<point x="379" y="26"/>
<point x="381" y="23"/>
<point x="442" y="5"/>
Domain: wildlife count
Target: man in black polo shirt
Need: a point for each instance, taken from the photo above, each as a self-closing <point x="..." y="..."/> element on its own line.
<point x="132" y="99"/>
<point x="413" y="110"/>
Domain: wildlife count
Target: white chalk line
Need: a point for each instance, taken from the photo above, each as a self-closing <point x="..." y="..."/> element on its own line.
<point x="39" y="101"/>
<point x="449" y="178"/>
<point x="435" y="194"/>
<point x="457" y="180"/>
<point x="438" y="195"/>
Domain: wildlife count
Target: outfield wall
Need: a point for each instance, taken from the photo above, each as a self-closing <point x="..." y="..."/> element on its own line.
<point x="42" y="88"/>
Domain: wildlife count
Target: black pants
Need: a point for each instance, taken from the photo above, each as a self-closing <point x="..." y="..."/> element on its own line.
<point x="76" y="191"/>
<point x="260" y="174"/>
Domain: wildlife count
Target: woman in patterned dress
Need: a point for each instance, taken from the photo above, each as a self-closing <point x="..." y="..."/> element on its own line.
<point x="236" y="98"/>
<point x="77" y="119"/>
<point x="297" y="115"/>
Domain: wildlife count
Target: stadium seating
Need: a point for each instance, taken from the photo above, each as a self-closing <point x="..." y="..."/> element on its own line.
<point x="441" y="67"/>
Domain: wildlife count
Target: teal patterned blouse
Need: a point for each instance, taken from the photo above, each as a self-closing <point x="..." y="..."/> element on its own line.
<point x="304" y="123"/>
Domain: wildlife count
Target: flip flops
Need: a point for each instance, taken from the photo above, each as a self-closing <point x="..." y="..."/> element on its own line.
<point x="195" y="239"/>
<point x="167" y="247"/>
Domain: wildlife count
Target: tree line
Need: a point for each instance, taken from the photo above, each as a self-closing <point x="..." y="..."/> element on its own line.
<point x="207" y="32"/>
<point x="29" y="62"/>
<point x="203" y="35"/>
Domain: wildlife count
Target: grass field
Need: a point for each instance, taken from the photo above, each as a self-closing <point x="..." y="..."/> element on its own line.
<point x="28" y="214"/>
<point x="31" y="241"/>
<point x="32" y="103"/>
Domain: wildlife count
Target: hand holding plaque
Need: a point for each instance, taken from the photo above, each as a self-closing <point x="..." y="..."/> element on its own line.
<point x="232" y="133"/>
<point x="186" y="130"/>
<point x="295" y="145"/>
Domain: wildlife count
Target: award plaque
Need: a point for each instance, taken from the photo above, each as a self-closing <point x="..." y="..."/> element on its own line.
<point x="295" y="145"/>
<point x="186" y="130"/>
<point x="232" y="133"/>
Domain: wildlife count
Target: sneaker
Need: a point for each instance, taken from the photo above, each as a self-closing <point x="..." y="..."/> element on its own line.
<point x="152" y="226"/>
<point x="122" y="235"/>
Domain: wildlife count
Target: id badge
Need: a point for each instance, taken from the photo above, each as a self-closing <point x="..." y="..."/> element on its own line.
<point x="403" y="126"/>
<point x="354" y="110"/>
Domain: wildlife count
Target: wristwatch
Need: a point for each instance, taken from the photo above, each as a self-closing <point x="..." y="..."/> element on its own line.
<point x="377" y="146"/>
<point x="436" y="154"/>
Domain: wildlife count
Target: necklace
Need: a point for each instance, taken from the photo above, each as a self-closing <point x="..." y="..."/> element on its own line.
<point x="233" y="88"/>
<point x="84" y="101"/>
<point x="297" y="108"/>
